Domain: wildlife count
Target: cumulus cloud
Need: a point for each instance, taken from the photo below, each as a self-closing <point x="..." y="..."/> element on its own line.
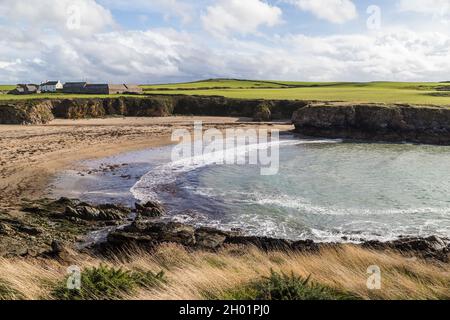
<point x="163" y="55"/>
<point x="437" y="8"/>
<point x="242" y="17"/>
<point x="79" y="17"/>
<point x="168" y="55"/>
<point x="335" y="11"/>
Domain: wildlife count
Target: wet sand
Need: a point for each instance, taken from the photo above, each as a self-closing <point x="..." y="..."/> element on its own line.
<point x="31" y="155"/>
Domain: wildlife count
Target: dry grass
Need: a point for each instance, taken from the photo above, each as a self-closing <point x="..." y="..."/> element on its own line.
<point x="198" y="275"/>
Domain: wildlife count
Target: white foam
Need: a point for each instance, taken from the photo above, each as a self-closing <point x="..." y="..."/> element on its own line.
<point x="146" y="188"/>
<point x="302" y="205"/>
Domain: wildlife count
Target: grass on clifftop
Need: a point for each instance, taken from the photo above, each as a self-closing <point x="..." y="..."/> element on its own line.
<point x="377" y="92"/>
<point x="383" y="92"/>
<point x="4" y="87"/>
<point x="236" y="272"/>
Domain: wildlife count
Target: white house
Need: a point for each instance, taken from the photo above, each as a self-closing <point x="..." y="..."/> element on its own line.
<point x="51" y="86"/>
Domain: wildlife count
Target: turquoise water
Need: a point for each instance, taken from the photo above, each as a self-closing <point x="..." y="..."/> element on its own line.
<point x="325" y="190"/>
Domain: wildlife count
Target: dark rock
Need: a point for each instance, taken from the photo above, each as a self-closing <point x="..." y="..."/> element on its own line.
<point x="264" y="243"/>
<point x="375" y="122"/>
<point x="305" y="246"/>
<point x="431" y="247"/>
<point x="67" y="202"/>
<point x="209" y="238"/>
<point x="88" y="212"/>
<point x="150" y="209"/>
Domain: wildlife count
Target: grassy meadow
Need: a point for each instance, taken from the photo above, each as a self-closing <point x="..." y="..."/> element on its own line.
<point x="233" y="273"/>
<point x="6" y="88"/>
<point x="420" y="93"/>
<point x="384" y="92"/>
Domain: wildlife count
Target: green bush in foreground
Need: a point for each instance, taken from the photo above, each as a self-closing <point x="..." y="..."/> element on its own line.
<point x="108" y="283"/>
<point x="283" y="287"/>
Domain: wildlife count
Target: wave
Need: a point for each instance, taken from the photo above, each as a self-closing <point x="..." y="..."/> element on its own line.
<point x="146" y="188"/>
<point x="302" y="205"/>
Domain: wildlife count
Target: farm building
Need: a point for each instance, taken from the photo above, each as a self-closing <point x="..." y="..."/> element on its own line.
<point x="26" y="89"/>
<point x="86" y="88"/>
<point x="51" y="86"/>
<point x="74" y="87"/>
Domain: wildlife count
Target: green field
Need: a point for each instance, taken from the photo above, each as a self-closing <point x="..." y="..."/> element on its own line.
<point x="388" y="92"/>
<point x="4" y="87"/>
<point x="385" y="92"/>
<point x="6" y="97"/>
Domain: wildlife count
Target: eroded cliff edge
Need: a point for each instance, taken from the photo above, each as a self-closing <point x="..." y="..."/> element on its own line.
<point x="372" y="122"/>
<point x="43" y="111"/>
<point x="375" y="122"/>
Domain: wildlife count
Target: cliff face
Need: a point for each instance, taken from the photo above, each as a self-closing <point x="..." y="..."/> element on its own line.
<point x="375" y="122"/>
<point x="26" y="112"/>
<point x="378" y="122"/>
<point x="98" y="108"/>
<point x="150" y="106"/>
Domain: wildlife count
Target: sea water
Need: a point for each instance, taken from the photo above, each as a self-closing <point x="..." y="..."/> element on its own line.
<point x="325" y="190"/>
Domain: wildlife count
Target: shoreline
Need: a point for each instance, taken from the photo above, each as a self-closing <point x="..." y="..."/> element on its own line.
<point x="32" y="155"/>
<point x="38" y="235"/>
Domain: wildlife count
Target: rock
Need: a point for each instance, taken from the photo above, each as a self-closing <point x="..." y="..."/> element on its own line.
<point x="88" y="212"/>
<point x="377" y="122"/>
<point x="431" y="247"/>
<point x="173" y="232"/>
<point x="305" y="246"/>
<point x="150" y="209"/>
<point x="150" y="233"/>
<point x="264" y="243"/>
<point x="208" y="238"/>
<point x="67" y="202"/>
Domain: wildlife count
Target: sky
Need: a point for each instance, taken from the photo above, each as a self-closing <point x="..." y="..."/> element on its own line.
<point x="162" y="41"/>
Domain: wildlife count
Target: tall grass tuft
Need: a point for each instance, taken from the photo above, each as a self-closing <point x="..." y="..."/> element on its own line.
<point x="107" y="283"/>
<point x="279" y="286"/>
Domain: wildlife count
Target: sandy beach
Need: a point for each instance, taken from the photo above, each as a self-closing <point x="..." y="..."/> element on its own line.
<point x="38" y="240"/>
<point x="31" y="155"/>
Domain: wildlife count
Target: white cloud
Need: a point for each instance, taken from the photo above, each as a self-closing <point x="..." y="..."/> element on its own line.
<point x="162" y="55"/>
<point x="433" y="7"/>
<point x="243" y="17"/>
<point x="335" y="11"/>
<point x="39" y="17"/>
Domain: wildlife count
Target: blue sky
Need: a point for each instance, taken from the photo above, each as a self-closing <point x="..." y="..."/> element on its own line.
<point x="155" y="41"/>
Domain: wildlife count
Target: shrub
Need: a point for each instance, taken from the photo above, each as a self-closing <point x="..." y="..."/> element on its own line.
<point x="283" y="287"/>
<point x="108" y="283"/>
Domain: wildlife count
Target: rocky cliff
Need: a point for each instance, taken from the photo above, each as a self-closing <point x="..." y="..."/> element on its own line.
<point x="375" y="122"/>
<point x="26" y="112"/>
<point x="42" y="111"/>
